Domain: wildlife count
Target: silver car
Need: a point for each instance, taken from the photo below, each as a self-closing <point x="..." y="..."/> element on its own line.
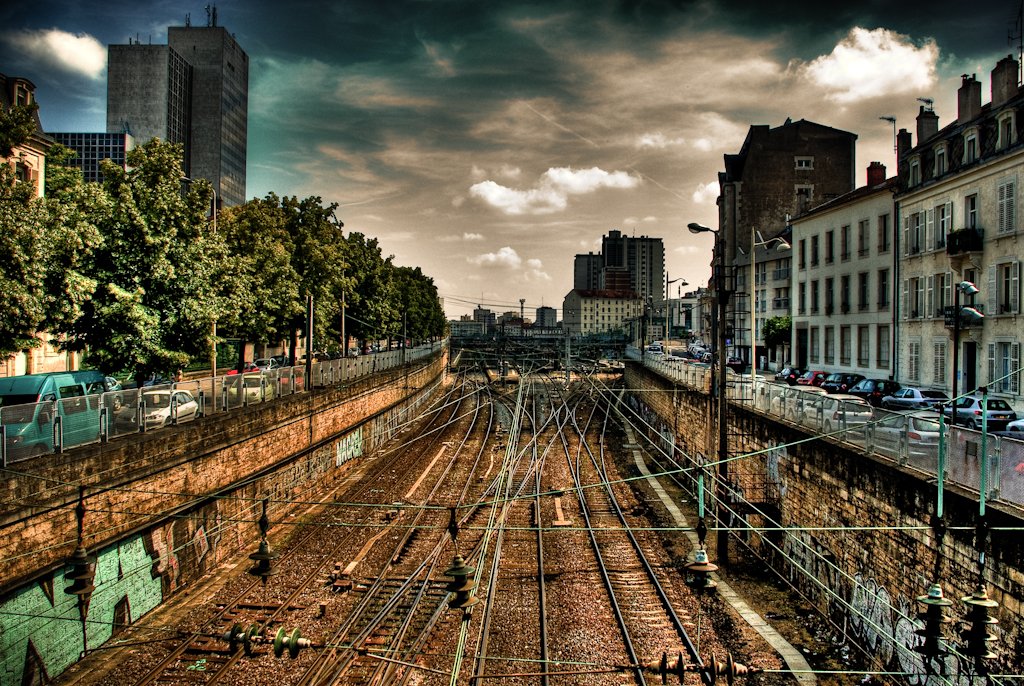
<point x="911" y="398"/>
<point x="913" y="436"/>
<point x="968" y="413"/>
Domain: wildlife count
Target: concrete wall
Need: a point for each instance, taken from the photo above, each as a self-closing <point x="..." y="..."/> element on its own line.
<point x="150" y="536"/>
<point x="858" y="538"/>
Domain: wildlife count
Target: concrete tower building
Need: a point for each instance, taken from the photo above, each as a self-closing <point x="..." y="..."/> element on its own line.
<point x="193" y="91"/>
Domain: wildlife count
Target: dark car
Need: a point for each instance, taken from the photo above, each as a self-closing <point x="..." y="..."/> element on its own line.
<point x="789" y="375"/>
<point x="735" y="364"/>
<point x="811" y="378"/>
<point x="873" y="390"/>
<point x="841" y="382"/>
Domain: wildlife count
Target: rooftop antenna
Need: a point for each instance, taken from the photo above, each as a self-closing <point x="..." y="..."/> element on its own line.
<point x="188" y="20"/>
<point x="1016" y="36"/>
<point x="892" y="120"/>
<point x="929" y="104"/>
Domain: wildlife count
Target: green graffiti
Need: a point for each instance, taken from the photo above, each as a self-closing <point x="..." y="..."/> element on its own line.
<point x="349" y="447"/>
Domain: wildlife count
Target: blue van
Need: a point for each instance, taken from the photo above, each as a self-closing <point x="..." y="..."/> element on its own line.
<point x="42" y="411"/>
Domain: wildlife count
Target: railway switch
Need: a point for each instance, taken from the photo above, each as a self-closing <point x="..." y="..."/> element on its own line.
<point x="699" y="572"/>
<point x="461" y="585"/>
<point x="933" y="615"/>
<point x="976" y="635"/>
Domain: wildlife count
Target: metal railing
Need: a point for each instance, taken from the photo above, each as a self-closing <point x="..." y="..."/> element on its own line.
<point x="44" y="428"/>
<point x="909" y="439"/>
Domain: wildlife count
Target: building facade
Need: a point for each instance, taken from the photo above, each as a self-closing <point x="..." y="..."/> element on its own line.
<point x="778" y="173"/>
<point x="844" y="263"/>
<point x="547" y="317"/>
<point x="27" y="160"/>
<point x="959" y="223"/>
<point x="193" y="91"/>
<point x="596" y="312"/>
<point x="92" y="148"/>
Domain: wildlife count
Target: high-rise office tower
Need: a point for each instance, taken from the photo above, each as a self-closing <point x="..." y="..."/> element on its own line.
<point x="193" y="91"/>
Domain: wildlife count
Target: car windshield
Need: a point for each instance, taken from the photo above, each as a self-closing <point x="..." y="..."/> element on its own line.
<point x="158" y="400"/>
<point x="921" y="424"/>
<point x="998" y="405"/>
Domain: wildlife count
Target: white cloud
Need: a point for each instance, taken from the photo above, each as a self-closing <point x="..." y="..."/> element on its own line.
<point x="870" y="64"/>
<point x="657" y="140"/>
<point x="706" y="192"/>
<point x="472" y="236"/>
<point x="552" y="190"/>
<point x="79" y="53"/>
<point x="506" y="258"/>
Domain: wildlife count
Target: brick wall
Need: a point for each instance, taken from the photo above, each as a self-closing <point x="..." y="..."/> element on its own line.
<point x="861" y="543"/>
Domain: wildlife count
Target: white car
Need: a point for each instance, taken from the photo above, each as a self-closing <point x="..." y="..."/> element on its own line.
<point x="164" y="407"/>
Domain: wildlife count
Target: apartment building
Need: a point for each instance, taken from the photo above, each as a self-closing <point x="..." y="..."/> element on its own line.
<point x="959" y="223"/>
<point x="600" y="311"/>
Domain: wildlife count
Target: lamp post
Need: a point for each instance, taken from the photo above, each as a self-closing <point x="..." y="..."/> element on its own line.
<point x="781" y="244"/>
<point x="718" y="386"/>
<point x="960" y="313"/>
<point x="668" y="310"/>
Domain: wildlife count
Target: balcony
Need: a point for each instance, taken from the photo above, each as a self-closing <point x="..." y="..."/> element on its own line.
<point x="780" y="303"/>
<point x="780" y="274"/>
<point x="964" y="241"/>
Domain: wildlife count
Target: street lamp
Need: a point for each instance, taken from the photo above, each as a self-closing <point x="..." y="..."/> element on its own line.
<point x="718" y="384"/>
<point x="781" y="244"/>
<point x="969" y="315"/>
<point x="668" y="311"/>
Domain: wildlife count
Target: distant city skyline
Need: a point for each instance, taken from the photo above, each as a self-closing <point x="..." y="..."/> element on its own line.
<point x="489" y="143"/>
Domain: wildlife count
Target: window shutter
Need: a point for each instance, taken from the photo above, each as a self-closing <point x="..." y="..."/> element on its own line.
<point x="929" y="298"/>
<point x="929" y="230"/>
<point x="1015" y="287"/>
<point x="1015" y="367"/>
<point x="906" y="235"/>
<point x="949" y="289"/>
<point x="949" y="220"/>
<point x="993" y="295"/>
<point x="991" y="362"/>
<point x="905" y="305"/>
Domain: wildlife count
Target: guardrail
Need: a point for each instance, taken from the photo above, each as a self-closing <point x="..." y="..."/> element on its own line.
<point x="35" y="429"/>
<point x="910" y="439"/>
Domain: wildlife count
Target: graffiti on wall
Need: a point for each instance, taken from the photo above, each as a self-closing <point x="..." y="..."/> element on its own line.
<point x="348" y="447"/>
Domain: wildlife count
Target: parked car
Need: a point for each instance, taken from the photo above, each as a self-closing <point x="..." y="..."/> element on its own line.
<point x="844" y="411"/>
<point x="969" y="413"/>
<point x="812" y="378"/>
<point x="791" y="403"/>
<point x="265" y="364"/>
<point x="912" y="435"/>
<point x="162" y="407"/>
<point x="914" y="398"/>
<point x="841" y="382"/>
<point x="1016" y="425"/>
<point x="251" y="388"/>
<point x="789" y="375"/>
<point x="873" y="390"/>
<point x="735" y="364"/>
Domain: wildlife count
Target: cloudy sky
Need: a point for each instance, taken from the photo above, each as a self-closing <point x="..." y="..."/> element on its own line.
<point x="490" y="141"/>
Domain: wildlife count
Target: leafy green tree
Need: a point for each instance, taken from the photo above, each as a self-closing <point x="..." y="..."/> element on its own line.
<point x="777" y="331"/>
<point x="154" y="300"/>
<point x="417" y="297"/>
<point x="17" y="125"/>
<point x="372" y="308"/>
<point x="23" y="250"/>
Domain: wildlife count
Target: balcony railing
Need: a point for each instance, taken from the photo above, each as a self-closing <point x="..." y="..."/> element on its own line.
<point x="781" y="274"/>
<point x="780" y="303"/>
<point x="964" y="240"/>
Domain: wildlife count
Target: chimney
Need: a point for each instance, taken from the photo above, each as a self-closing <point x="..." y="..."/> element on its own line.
<point x="968" y="99"/>
<point x="927" y="124"/>
<point x="876" y="174"/>
<point x="1004" y="80"/>
<point x="903" y="144"/>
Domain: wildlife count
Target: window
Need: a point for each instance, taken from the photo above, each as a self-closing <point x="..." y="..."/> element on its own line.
<point x="801" y="295"/>
<point x="883" y="233"/>
<point x="814" y="251"/>
<point x="844" y="345"/>
<point x="883" y="289"/>
<point x="939" y="361"/>
<point x="913" y="296"/>
<point x="913" y="233"/>
<point x="863" y="297"/>
<point x="939" y="294"/>
<point x="804" y="163"/>
<point x="914" y="177"/>
<point x="829" y="299"/>
<point x="804" y="197"/>
<point x="1004" y="367"/>
<point x="1004" y="287"/>
<point x="814" y="297"/>
<point x="862" y="239"/>
<point x="1005" y="197"/>
<point x="830" y="254"/>
<point x="970" y="146"/>
<point x="1007" y="130"/>
<point x="940" y="160"/>
<point x="830" y="345"/>
<point x="863" y="346"/>
<point x="971" y="211"/>
<point x="844" y="293"/>
<point x="914" y="359"/>
<point x="882" y="346"/>
<point x="803" y="253"/>
<point x="844" y="240"/>
<point x="813" y="352"/>
<point x="944" y="223"/>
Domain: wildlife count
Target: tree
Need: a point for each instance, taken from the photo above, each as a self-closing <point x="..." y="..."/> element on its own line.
<point x="777" y="331"/>
<point x="371" y="305"/>
<point x="417" y="297"/>
<point x="17" y="125"/>
<point x="22" y="265"/>
<point x="154" y="300"/>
